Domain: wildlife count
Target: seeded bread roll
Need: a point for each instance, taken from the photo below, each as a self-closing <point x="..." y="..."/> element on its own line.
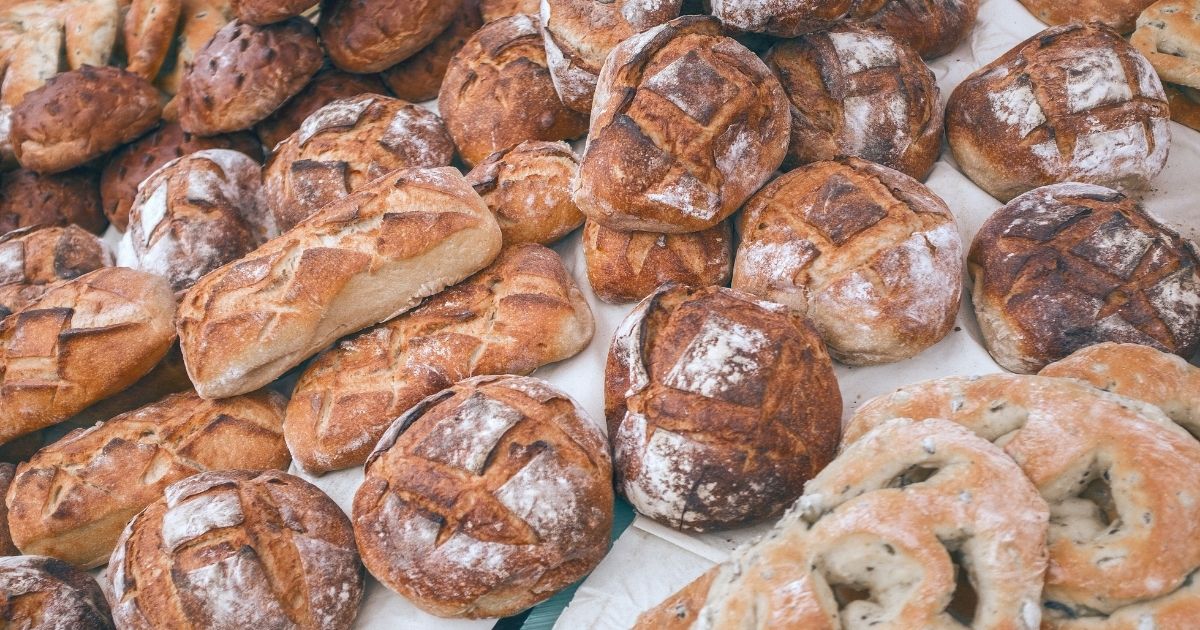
<point x="498" y="92"/>
<point x="1072" y="265"/>
<point x="528" y="188"/>
<point x="328" y="85"/>
<point x="344" y="145"/>
<point x="373" y="35"/>
<point x="497" y="9"/>
<point x="29" y="199"/>
<point x="932" y="27"/>
<point x="31" y="259"/>
<point x="626" y="267"/>
<point x="419" y="77"/>
<point x="261" y="12"/>
<point x="40" y="593"/>
<point x="1117" y="14"/>
<point x="486" y="499"/>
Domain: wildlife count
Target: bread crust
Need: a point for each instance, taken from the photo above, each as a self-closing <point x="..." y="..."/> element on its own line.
<point x="1119" y="15"/>
<point x="7" y="548"/>
<point x="41" y="592"/>
<point x="782" y="18"/>
<point x="263" y="12"/>
<point x="328" y="85"/>
<point x="199" y="21"/>
<point x="30" y="199"/>
<point x="1168" y="34"/>
<point x="149" y="27"/>
<point x="31" y="259"/>
<point x="373" y="35"/>
<point x="932" y="27"/>
<point x="497" y="9"/>
<point x="625" y="267"/>
<point x="528" y="188"/>
<point x="419" y="77"/>
<point x="1185" y="105"/>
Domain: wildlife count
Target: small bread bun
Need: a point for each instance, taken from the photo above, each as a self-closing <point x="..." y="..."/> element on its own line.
<point x="419" y="77"/>
<point x="528" y="188"/>
<point x="625" y="267"/>
<point x="40" y="593"/>
<point x="28" y="199"/>
<point x="373" y="35"/>
<point x="1119" y="15"/>
<point x="326" y="86"/>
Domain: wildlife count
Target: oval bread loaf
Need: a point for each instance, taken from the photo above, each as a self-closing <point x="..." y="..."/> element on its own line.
<point x="32" y="259"/>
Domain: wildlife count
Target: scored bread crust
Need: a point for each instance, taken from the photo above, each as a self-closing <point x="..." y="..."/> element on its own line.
<point x="419" y="77"/>
<point x="31" y="259"/>
<point x="528" y="188"/>
<point x="373" y="35"/>
<point x="782" y="18"/>
<point x="626" y="267"/>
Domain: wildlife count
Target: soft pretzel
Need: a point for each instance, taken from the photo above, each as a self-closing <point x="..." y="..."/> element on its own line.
<point x="895" y="518"/>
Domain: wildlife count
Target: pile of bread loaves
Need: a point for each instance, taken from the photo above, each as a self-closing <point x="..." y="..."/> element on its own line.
<point x="287" y="213"/>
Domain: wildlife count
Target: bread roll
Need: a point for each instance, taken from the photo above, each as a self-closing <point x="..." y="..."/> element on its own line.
<point x="29" y="199"/>
<point x="1071" y="265"/>
<point x="486" y="499"/>
<point x="357" y="262"/>
<point x="419" y="77"/>
<point x="686" y="125"/>
<point x="39" y="593"/>
<point x="80" y="115"/>
<point x="859" y="93"/>
<point x="1073" y="103"/>
<point x="719" y="407"/>
<point x="326" y="86"/>
<point x="33" y="258"/>
<point x="237" y="549"/>
<point x="261" y="12"/>
<point x="782" y="18"/>
<point x="346" y="144"/>
<point x="7" y="548"/>
<point x="528" y="188"/>
<point x="520" y="313"/>
<point x="199" y="21"/>
<point x="73" y="498"/>
<point x="497" y="9"/>
<point x="498" y="92"/>
<point x="932" y="27"/>
<point x="1117" y="14"/>
<point x="82" y="341"/>
<point x="148" y="29"/>
<point x="372" y="35"/>
<point x="628" y="266"/>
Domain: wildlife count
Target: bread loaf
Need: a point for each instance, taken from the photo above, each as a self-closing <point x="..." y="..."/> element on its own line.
<point x="345" y="144"/>
<point x="29" y="199"/>
<point x="782" y="18"/>
<point x="932" y="27"/>
<point x="149" y="27"/>
<point x="486" y="499"/>
<point x="528" y="188"/>
<point x="80" y="342"/>
<point x="328" y="85"/>
<point x="42" y="37"/>
<point x="39" y="593"/>
<point x="372" y="35"/>
<point x="686" y="125"/>
<point x="419" y="77"/>
<point x="237" y="549"/>
<point x="199" y="21"/>
<point x="166" y="378"/>
<point x="1073" y="103"/>
<point x="521" y="312"/>
<point x="1071" y="265"/>
<point x="628" y="266"/>
<point x="1117" y="14"/>
<point x="32" y="258"/>
<point x="73" y="498"/>
<point x="260" y="12"/>
<point x="719" y="407"/>
<point x="357" y="262"/>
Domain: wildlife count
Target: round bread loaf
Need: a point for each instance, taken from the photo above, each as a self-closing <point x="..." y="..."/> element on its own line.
<point x="1117" y="14"/>
<point x="1073" y="103"/>
<point x="486" y="498"/>
<point x="782" y="18"/>
<point x="528" y="188"/>
<point x="40" y="593"/>
<point x="262" y="12"/>
<point x="328" y="85"/>
<point x="686" y="125"/>
<point x="345" y="144"/>
<point x="1071" y="265"/>
<point x="195" y="214"/>
<point x="497" y="9"/>
<point x="580" y="33"/>
<point x="498" y="92"/>
<point x="720" y="407"/>
<point x="932" y="27"/>
<point x="859" y="92"/>
<point x="237" y="549"/>
<point x="372" y="35"/>
<point x="246" y="72"/>
<point x="29" y="199"/>
<point x="419" y="77"/>
<point x="870" y="255"/>
<point x="1168" y="33"/>
<point x="136" y="161"/>
<point x="33" y="258"/>
<point x="626" y="267"/>
<point x="80" y="115"/>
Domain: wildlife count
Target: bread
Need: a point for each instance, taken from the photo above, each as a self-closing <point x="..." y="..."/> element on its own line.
<point x="1071" y="265"/>
<point x="872" y="523"/>
<point x="357" y="262"/>
<point x="7" y="548"/>
<point x="260" y="12"/>
<point x="199" y="21"/>
<point x="246" y="72"/>
<point x="1168" y="34"/>
<point x="1117" y="14"/>
<point x="719" y="407"/>
<point x="528" y="188"/>
<point x="1073" y="103"/>
<point x="148" y="30"/>
<point x="1185" y="105"/>
<point x="29" y="199"/>
<point x="41" y="37"/>
<point x="419" y="77"/>
<point x="872" y="257"/>
<point x="580" y="33"/>
<point x="134" y="162"/>
<point x="328" y="85"/>
<point x="372" y="35"/>
<point x="80" y="115"/>
<point x="80" y="342"/>
<point x="497" y="9"/>
<point x="498" y="92"/>
<point x="38" y="593"/>
<point x="686" y="125"/>
<point x="626" y="267"/>
<point x="346" y="144"/>
<point x="237" y="549"/>
<point x="856" y="92"/>
<point x="166" y="378"/>
<point x="31" y="259"/>
<point x="486" y="499"/>
<point x="521" y="312"/>
<point x="195" y="214"/>
<point x="73" y="498"/>
<point x="932" y="27"/>
<point x="782" y="18"/>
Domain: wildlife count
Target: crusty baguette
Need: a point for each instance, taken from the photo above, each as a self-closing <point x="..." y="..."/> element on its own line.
<point x="357" y="262"/>
<point x="73" y="498"/>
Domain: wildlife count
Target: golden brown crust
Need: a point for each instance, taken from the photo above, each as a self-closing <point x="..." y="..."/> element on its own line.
<point x="932" y="27"/>
<point x="528" y="188"/>
<point x="686" y="125"/>
<point x="73" y="498"/>
<point x="199" y="21"/>
<point x="40" y="592"/>
<point x="497" y="9"/>
<point x="373" y="35"/>
<point x="29" y="199"/>
<point x="1185" y="105"/>
<point x="1168" y="33"/>
<point x="486" y="499"/>
<point x="625" y="267"/>
<point x="521" y="312"/>
<point x="498" y="92"/>
<point x="328" y="85"/>
<point x="262" y="12"/>
<point x="1117" y="14"/>
<point x="419" y="77"/>
<point x="33" y="258"/>
<point x="719" y="407"/>
<point x="148" y="30"/>
<point x="1071" y="265"/>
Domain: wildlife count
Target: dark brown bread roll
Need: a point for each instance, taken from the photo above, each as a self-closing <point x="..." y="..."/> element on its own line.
<point x="486" y="499"/>
<point x="1072" y="265"/>
<point x="498" y="92"/>
<point x="686" y="125"/>
<point x="40" y="593"/>
<point x="528" y="188"/>
<point x="859" y="92"/>
<point x="932" y="27"/>
<point x="261" y="12"/>
<point x="29" y="199"/>
<point x="1073" y="103"/>
<point x="419" y="77"/>
<point x="373" y="35"/>
<point x="628" y="266"/>
<point x="326" y="86"/>
<point x="720" y="407"/>
<point x="1120" y="15"/>
<point x="31" y="259"/>
<point x="237" y="549"/>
